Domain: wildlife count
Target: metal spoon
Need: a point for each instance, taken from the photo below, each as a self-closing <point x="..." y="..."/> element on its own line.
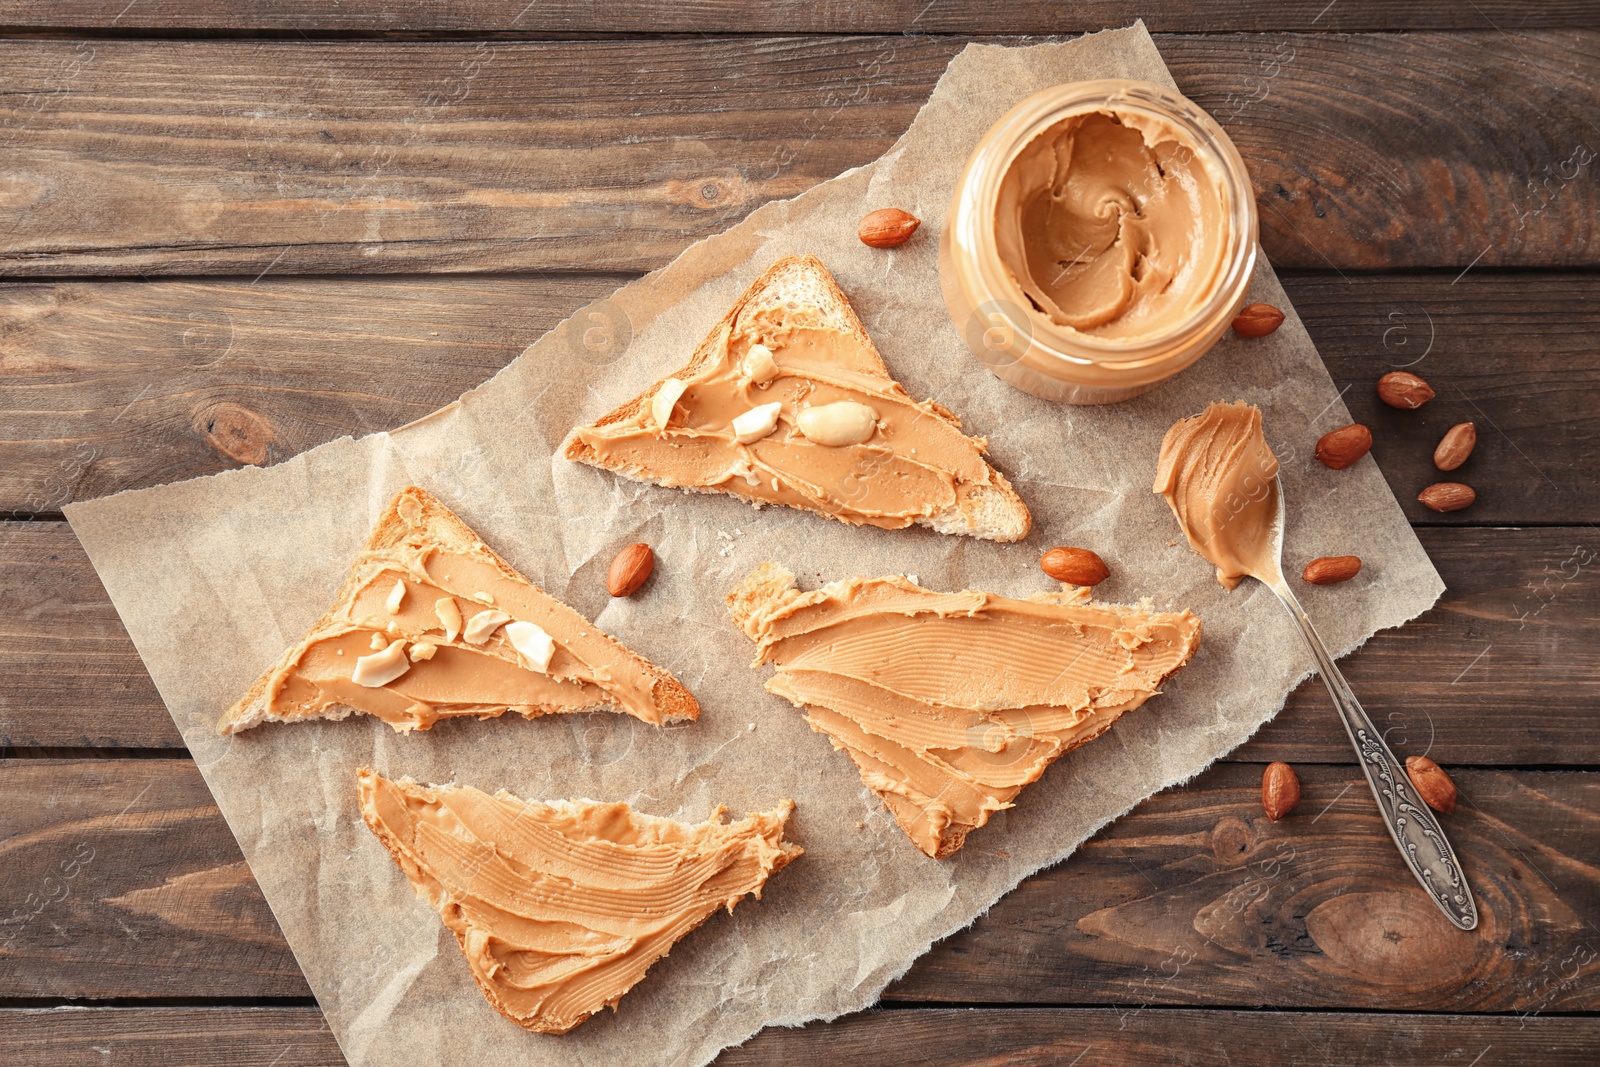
<point x="1412" y="825"/>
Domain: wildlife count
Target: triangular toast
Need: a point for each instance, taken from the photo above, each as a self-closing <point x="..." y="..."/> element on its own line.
<point x="560" y="908"/>
<point x="950" y="703"/>
<point x="789" y="348"/>
<point x="539" y="656"/>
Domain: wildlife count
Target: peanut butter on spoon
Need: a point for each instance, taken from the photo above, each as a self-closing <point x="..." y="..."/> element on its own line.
<point x="1216" y="471"/>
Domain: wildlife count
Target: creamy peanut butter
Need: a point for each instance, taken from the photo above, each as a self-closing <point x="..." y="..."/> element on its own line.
<point x="950" y="703"/>
<point x="431" y="624"/>
<point x="560" y="908"/>
<point x="1114" y="225"/>
<point x="885" y="460"/>
<point x="1216" y="471"/>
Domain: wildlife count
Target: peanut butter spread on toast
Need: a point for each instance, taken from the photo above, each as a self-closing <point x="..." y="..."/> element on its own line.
<point x="788" y="402"/>
<point x="951" y="703"/>
<point x="431" y="624"/>
<point x="560" y="908"/>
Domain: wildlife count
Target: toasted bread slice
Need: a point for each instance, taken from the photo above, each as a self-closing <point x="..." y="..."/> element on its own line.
<point x="950" y="703"/>
<point x="793" y="340"/>
<point x="560" y="908"/>
<point x="417" y="605"/>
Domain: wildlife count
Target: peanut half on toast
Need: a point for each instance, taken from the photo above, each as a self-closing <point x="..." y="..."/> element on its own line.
<point x="788" y="402"/>
<point x="951" y="703"/>
<point x="431" y="624"/>
<point x="560" y="908"/>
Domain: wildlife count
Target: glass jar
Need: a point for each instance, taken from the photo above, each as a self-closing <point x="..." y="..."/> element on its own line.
<point x="1008" y="331"/>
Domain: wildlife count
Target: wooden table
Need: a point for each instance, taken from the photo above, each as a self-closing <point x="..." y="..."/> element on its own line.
<point x="233" y="231"/>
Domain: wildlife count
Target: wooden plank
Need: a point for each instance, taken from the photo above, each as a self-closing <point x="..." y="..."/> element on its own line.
<point x="295" y="1037"/>
<point x="1100" y="1037"/>
<point x="239" y="156"/>
<point x="1512" y="353"/>
<point x="69" y="674"/>
<point x="1519" y="610"/>
<point x="1196" y="899"/>
<point x="120" y="385"/>
<point x="146" y="1037"/>
<point x="122" y="880"/>
<point x="1501" y="672"/>
<point x="1193" y="899"/>
<point x="781" y="16"/>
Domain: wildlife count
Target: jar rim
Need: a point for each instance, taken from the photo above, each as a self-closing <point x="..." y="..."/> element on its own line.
<point x="976" y="203"/>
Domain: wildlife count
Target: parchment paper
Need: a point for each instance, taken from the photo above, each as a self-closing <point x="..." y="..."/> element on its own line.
<point x="215" y="576"/>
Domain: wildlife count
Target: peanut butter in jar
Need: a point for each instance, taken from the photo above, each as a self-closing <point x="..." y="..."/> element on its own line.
<point x="1100" y="240"/>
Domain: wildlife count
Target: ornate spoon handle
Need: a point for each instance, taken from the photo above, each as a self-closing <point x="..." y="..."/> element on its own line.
<point x="1412" y="825"/>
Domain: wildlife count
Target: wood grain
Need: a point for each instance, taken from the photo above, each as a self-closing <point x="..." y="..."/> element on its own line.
<point x="1513" y="354"/>
<point x="119" y="385"/>
<point x="148" y="1037"/>
<point x="1498" y="672"/>
<point x="69" y="675"/>
<point x="227" y="156"/>
<point x="122" y="880"/>
<point x="1193" y="899"/>
<point x="971" y="1037"/>
<point x="780" y="16"/>
<point x="1501" y="672"/>
<point x="1131" y="1037"/>
<point x="1197" y="899"/>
